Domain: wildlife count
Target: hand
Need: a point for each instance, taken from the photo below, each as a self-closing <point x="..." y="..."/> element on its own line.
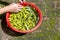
<point x="14" y="7"/>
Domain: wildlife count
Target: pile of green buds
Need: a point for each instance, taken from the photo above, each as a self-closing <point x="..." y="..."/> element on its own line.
<point x="26" y="19"/>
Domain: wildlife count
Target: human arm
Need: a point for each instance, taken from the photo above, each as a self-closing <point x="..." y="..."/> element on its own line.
<point x="11" y="8"/>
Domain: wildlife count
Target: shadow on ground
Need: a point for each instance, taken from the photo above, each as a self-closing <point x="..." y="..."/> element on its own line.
<point x="7" y="30"/>
<point x="4" y="2"/>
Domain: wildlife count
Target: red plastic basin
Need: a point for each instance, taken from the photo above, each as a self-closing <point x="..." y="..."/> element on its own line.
<point x="26" y="31"/>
